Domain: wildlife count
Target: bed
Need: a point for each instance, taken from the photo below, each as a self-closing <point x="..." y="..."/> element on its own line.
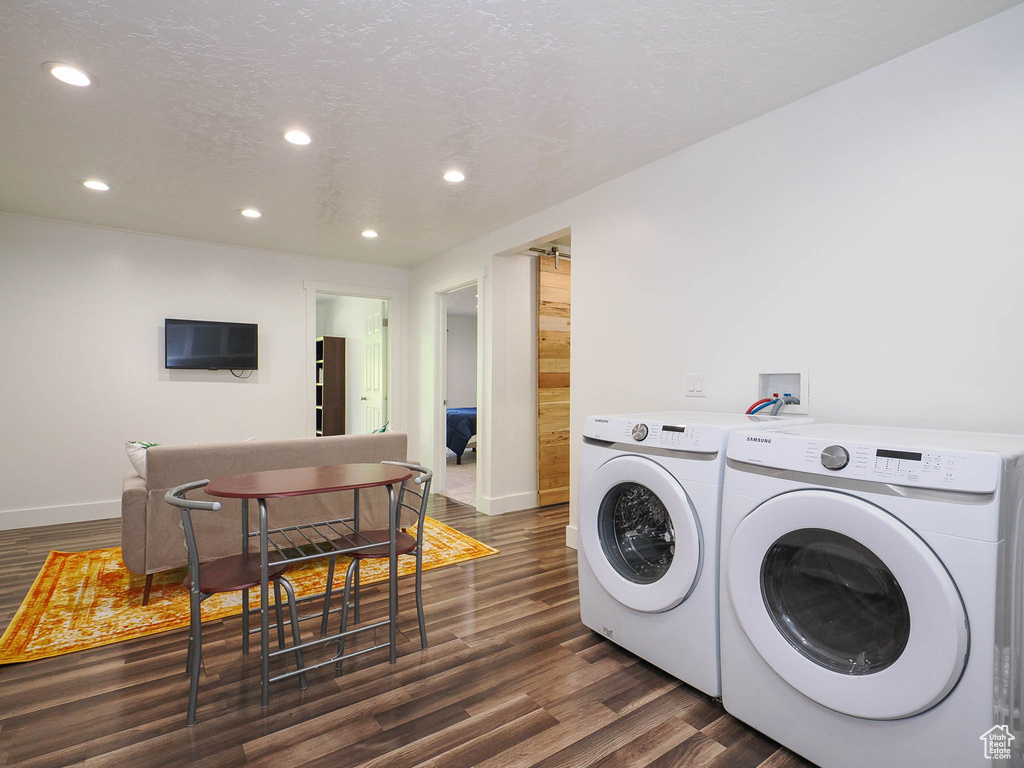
<point x="461" y="429"/>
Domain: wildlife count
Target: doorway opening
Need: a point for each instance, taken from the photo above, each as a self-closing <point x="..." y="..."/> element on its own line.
<point x="461" y="310"/>
<point x="352" y="375"/>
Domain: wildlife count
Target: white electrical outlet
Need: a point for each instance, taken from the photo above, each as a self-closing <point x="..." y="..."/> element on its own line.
<point x="695" y="385"/>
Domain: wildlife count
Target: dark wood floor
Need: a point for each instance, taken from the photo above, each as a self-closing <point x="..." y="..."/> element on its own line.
<point x="512" y="678"/>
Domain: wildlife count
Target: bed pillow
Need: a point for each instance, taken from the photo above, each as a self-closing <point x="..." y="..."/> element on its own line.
<point x="137" y="455"/>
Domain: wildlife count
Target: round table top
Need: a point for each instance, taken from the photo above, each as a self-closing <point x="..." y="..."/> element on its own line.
<point x="302" y="481"/>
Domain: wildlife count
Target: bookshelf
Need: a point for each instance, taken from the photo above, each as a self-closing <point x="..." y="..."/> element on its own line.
<point x="330" y="385"/>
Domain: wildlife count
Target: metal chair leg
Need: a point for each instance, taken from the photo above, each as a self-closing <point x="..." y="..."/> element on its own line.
<point x="355" y="522"/>
<point x="293" y="614"/>
<point x="344" y="609"/>
<point x="355" y="593"/>
<point x="195" y="656"/>
<point x="245" y="621"/>
<point x="191" y="639"/>
<point x="327" y="596"/>
<point x="419" y="598"/>
<point x="279" y="613"/>
<point x="245" y="592"/>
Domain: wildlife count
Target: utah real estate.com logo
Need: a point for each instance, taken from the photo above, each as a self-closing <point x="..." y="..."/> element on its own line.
<point x="997" y="742"/>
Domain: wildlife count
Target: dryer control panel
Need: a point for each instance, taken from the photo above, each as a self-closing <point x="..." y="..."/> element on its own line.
<point x="918" y="466"/>
<point x="695" y="438"/>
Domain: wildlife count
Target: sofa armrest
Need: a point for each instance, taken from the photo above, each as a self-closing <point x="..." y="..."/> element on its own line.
<point x="133" y="523"/>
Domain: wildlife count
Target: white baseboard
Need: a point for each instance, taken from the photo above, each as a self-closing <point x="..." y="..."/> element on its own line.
<point x="499" y="505"/>
<point x="572" y="537"/>
<point x="71" y="513"/>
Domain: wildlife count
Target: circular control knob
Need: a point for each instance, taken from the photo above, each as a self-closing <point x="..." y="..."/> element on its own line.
<point x="835" y="457"/>
<point x="640" y="432"/>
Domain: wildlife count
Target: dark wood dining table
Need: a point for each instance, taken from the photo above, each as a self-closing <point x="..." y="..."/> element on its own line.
<point x="311" y="540"/>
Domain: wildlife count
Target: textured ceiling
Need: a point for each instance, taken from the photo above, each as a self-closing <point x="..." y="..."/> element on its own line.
<point x="535" y="101"/>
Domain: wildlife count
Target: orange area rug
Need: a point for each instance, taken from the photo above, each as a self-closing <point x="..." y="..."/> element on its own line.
<point x="87" y="599"/>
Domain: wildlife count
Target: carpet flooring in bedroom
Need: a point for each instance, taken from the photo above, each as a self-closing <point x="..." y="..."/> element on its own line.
<point x="460" y="479"/>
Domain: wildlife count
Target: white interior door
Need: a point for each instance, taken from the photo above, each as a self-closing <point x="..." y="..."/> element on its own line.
<point x="375" y="380"/>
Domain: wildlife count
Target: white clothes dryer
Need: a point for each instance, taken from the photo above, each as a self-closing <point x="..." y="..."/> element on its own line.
<point x="650" y="496"/>
<point x="871" y="594"/>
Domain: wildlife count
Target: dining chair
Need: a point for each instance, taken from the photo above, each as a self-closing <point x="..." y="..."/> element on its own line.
<point x="377" y="546"/>
<point x="235" y="573"/>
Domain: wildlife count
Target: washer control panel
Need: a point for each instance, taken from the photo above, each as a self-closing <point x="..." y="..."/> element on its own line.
<point x="972" y="471"/>
<point x="701" y="438"/>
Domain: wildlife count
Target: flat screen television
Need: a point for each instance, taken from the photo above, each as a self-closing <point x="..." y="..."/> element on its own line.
<point x="202" y="344"/>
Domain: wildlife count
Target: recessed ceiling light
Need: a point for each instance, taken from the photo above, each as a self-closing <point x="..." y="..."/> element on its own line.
<point x="371" y="233"/>
<point x="96" y="184"/>
<point x="250" y="213"/>
<point x="67" y="74"/>
<point x="297" y="137"/>
<point x="455" y="176"/>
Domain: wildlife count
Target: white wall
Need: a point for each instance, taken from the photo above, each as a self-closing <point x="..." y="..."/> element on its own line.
<point x="82" y="311"/>
<point x="321" y="318"/>
<point x="461" y="362"/>
<point x="870" y="231"/>
<point x="513" y="386"/>
<point x="507" y="389"/>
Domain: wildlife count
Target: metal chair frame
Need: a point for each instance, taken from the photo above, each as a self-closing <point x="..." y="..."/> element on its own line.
<point x="193" y="661"/>
<point x="423" y="480"/>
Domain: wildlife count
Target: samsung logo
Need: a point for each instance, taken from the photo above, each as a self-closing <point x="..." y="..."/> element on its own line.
<point x="601" y="421"/>
<point x="759" y="439"/>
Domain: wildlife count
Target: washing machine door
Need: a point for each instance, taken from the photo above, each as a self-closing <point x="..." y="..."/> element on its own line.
<point x="640" y="533"/>
<point x="847" y="604"/>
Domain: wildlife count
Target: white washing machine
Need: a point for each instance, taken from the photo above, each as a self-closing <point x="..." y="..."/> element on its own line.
<point x="650" y="495"/>
<point x="871" y="594"/>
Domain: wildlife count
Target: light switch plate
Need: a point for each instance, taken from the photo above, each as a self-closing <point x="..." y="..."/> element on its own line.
<point x="696" y="385"/>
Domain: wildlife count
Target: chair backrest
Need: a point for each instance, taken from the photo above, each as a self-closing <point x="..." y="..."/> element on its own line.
<point x="176" y="497"/>
<point x="422" y="479"/>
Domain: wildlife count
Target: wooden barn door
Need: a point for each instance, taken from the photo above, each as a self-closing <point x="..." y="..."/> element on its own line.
<point x="553" y="314"/>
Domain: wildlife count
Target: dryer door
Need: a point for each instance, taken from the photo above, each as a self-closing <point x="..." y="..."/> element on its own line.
<point x="847" y="604"/>
<point x="640" y="533"/>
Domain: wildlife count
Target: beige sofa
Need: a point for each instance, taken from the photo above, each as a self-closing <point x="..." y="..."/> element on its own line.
<point x="151" y="539"/>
